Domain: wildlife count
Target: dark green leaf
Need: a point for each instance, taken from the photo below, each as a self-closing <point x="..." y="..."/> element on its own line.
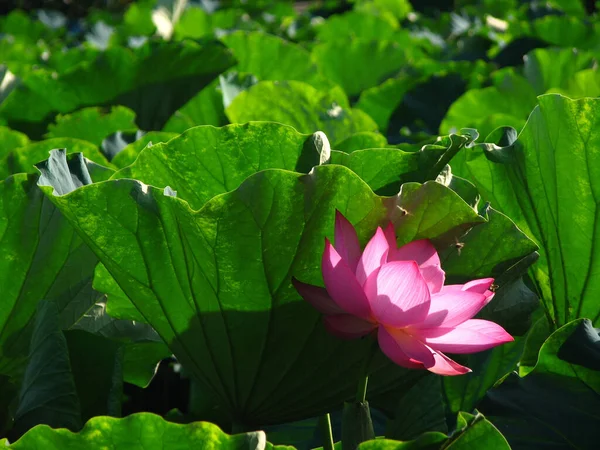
<point x="97" y="368"/>
<point x="465" y="392"/>
<point x="142" y="348"/>
<point x="420" y="410"/>
<point x="42" y="258"/>
<point x="48" y="395"/>
<point x="555" y="405"/>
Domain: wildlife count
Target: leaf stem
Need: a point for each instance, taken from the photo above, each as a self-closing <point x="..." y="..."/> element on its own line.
<point x="326" y="433"/>
<point x="361" y="392"/>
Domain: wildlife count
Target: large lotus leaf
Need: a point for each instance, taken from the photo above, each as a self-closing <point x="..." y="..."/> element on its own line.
<point x="344" y="62"/>
<point x="206" y="161"/>
<point x="556" y="404"/>
<point x="472" y="431"/>
<point x="144" y="431"/>
<point x="154" y="80"/>
<point x="23" y="159"/>
<point x="302" y="106"/>
<point x="216" y="284"/>
<point x="528" y="186"/>
<point x="552" y="68"/>
<point x="269" y="57"/>
<point x="204" y="108"/>
<point x="92" y="124"/>
<point x="507" y="103"/>
<point x="355" y="24"/>
<point x="386" y="169"/>
<point x="42" y="258"/>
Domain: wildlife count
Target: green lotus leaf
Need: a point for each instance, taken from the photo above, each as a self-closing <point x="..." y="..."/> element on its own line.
<point x="42" y="258"/>
<point x="201" y="278"/>
<point x="153" y="80"/>
<point x="343" y="62"/>
<point x="529" y="189"/>
<point x="206" y="161"/>
<point x="92" y="124"/>
<point x="269" y="57"/>
<point x="144" y="431"/>
<point x="302" y="106"/>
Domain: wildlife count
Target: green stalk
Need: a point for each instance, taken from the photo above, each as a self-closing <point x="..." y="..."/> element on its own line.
<point x="326" y="433"/>
<point x="357" y="426"/>
<point x="361" y="391"/>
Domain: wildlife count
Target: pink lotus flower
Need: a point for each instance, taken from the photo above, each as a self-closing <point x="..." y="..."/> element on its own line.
<point x="400" y="294"/>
